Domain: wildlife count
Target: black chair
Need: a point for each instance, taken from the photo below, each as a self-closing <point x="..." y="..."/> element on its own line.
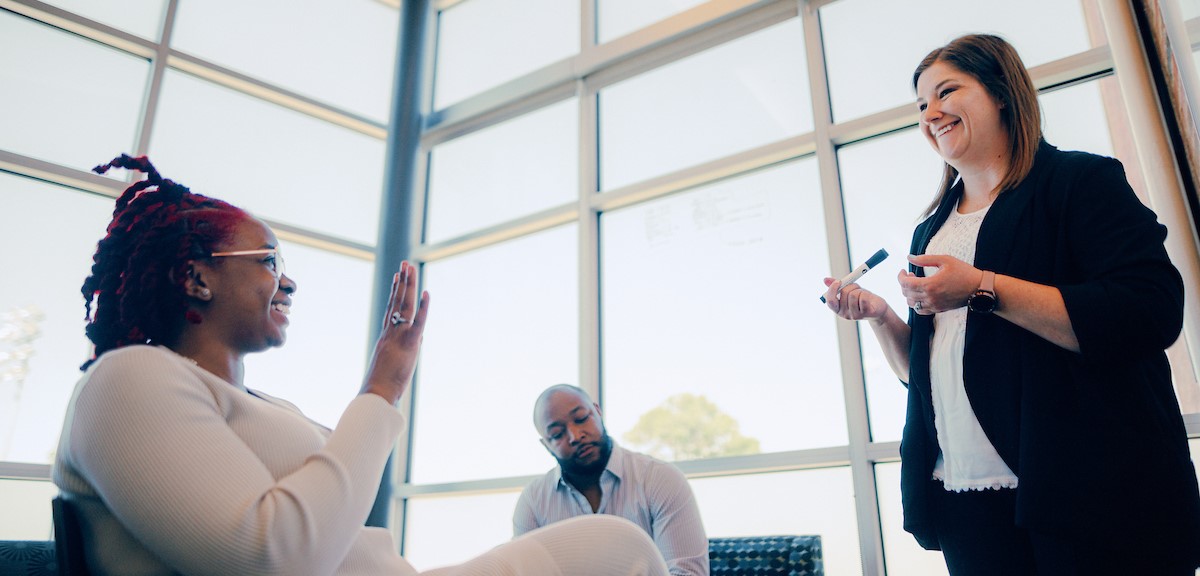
<point x="766" y="556"/>
<point x="68" y="539"/>
<point x="27" y="558"/>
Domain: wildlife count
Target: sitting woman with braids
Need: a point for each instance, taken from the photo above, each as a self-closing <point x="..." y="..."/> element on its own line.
<point x="176" y="467"/>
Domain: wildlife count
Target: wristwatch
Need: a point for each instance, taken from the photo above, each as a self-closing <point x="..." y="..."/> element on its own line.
<point x="984" y="300"/>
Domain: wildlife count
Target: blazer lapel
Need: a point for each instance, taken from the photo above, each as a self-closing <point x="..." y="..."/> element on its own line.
<point x="998" y="233"/>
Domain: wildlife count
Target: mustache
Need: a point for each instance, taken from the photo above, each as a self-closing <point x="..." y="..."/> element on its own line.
<point x="580" y="447"/>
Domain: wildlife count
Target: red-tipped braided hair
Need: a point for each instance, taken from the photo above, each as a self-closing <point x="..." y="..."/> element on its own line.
<point x="141" y="265"/>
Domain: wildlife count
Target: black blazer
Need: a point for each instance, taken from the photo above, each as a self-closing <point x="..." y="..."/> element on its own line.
<point x="1095" y="438"/>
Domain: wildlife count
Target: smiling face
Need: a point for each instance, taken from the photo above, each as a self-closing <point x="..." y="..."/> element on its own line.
<point x="960" y="118"/>
<point x="248" y="300"/>
<point x="573" y="432"/>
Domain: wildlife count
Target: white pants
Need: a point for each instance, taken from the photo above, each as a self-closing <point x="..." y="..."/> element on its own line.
<point x="597" y="545"/>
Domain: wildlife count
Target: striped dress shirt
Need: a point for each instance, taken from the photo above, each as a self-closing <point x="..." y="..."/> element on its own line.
<point x="649" y="492"/>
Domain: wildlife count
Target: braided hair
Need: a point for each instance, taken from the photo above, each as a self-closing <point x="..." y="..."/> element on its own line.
<point x="139" y="271"/>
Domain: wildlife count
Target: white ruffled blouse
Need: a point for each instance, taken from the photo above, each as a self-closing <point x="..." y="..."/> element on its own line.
<point x="968" y="461"/>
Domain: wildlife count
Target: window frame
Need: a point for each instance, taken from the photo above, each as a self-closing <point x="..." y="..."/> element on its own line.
<point x="684" y="34"/>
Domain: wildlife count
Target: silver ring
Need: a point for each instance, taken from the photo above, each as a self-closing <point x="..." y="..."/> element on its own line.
<point x="397" y="319"/>
<point x="916" y="306"/>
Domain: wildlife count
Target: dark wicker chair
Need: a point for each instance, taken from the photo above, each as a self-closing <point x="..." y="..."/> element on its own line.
<point x="28" y="558"/>
<point x="766" y="556"/>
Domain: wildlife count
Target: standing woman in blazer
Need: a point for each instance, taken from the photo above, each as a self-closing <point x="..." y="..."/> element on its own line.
<point x="1043" y="435"/>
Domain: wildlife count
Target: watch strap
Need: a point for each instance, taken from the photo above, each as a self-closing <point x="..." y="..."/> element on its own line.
<point x="984" y="300"/>
<point x="988" y="284"/>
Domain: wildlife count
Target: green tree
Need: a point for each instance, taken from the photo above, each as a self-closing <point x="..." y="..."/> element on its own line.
<point x="686" y="427"/>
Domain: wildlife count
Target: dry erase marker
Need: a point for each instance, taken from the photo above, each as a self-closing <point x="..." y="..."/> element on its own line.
<point x="857" y="273"/>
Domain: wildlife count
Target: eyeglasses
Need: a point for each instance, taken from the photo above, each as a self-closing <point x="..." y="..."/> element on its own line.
<point x="275" y="262"/>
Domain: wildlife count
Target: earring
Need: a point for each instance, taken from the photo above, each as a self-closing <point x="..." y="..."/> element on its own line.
<point x="205" y="293"/>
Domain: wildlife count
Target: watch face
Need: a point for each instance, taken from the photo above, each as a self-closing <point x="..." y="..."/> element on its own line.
<point x="982" y="302"/>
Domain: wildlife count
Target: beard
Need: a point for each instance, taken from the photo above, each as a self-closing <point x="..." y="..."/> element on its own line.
<point x="573" y="467"/>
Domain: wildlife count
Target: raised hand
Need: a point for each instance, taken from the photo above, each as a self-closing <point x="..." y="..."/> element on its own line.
<point x="399" y="344"/>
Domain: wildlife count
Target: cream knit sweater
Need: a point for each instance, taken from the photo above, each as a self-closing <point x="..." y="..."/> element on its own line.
<point x="174" y="467"/>
<point x="176" y="471"/>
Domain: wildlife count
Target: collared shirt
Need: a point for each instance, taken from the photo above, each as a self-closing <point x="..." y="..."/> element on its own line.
<point x="649" y="492"/>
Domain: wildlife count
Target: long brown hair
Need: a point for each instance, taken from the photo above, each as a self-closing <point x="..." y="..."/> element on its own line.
<point x="994" y="63"/>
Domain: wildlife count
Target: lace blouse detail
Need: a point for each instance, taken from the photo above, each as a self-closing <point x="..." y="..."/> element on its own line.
<point x="968" y="461"/>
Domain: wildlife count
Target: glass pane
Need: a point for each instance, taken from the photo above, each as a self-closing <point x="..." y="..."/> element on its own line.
<point x="886" y="183"/>
<point x="1191" y="8"/>
<point x="484" y="43"/>
<point x="321" y="366"/>
<point x="277" y="163"/>
<point x="749" y="92"/>
<point x="450" y="530"/>
<point x="26" y="505"/>
<point x="616" y="18"/>
<point x="903" y="555"/>
<point x="1187" y="57"/>
<point x="338" y="51"/>
<point x="42" y="342"/>
<point x="729" y="273"/>
<point x="504" y="325"/>
<point x="503" y="172"/>
<point x="144" y="21"/>
<point x="866" y="77"/>
<point x="801" y="503"/>
<point x="1194" y="447"/>
<point x="65" y="99"/>
<point x="1075" y="118"/>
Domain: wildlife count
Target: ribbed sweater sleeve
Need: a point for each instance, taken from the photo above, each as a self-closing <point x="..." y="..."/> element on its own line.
<point x="165" y="452"/>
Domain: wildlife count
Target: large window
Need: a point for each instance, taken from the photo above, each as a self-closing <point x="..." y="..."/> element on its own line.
<point x="616" y="18"/>
<point x="66" y="99"/>
<point x="639" y="197"/>
<point x="434" y="542"/>
<point x="504" y="172"/>
<point x="697" y="275"/>
<point x="521" y="36"/>
<point x="645" y="205"/>
<point x="282" y="128"/>
<point x="273" y="161"/>
<point x="798" y="502"/>
<point x="749" y="92"/>
<point x="506" y="328"/>
<point x="41" y="310"/>
<point x="302" y="46"/>
<point x="865" y="78"/>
